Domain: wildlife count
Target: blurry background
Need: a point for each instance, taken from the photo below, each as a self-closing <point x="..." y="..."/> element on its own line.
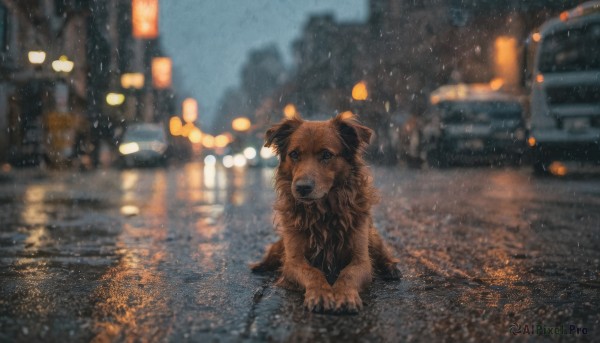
<point x="93" y="248"/>
<point x="75" y="73"/>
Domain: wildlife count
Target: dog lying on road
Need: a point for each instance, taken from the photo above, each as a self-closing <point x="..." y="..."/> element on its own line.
<point x="328" y="247"/>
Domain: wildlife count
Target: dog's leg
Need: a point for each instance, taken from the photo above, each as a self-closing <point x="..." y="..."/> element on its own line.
<point x="354" y="277"/>
<point x="273" y="259"/>
<point x="318" y="294"/>
<point x="384" y="263"/>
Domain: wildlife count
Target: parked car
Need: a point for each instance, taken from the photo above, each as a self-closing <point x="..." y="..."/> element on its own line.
<point x="565" y="89"/>
<point x="143" y="144"/>
<point x="466" y="123"/>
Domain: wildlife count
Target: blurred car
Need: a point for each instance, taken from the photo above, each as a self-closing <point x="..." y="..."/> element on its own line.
<point x="260" y="157"/>
<point x="565" y="89"/>
<point x="143" y="144"/>
<point x="468" y="123"/>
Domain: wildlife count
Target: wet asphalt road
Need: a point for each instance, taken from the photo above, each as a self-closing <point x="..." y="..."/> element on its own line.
<point x="161" y="255"/>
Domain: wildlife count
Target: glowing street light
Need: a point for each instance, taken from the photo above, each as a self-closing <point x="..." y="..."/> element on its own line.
<point x="241" y="124"/>
<point x="161" y="72"/>
<point x="347" y="115"/>
<point x="289" y="111"/>
<point x="221" y="141"/>
<point x="175" y="126"/>
<point x="187" y="129"/>
<point x="132" y="80"/>
<point x="62" y="64"/>
<point x="190" y="110"/>
<point x="144" y="18"/>
<point x="115" y="99"/>
<point x="36" y="57"/>
<point x="496" y="83"/>
<point x="195" y="135"/>
<point x="359" y="91"/>
<point x="208" y="141"/>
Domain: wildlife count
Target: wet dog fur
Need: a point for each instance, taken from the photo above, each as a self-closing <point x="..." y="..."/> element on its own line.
<point x="329" y="247"/>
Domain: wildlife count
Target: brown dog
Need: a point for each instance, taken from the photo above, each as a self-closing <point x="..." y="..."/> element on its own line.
<point x="329" y="247"/>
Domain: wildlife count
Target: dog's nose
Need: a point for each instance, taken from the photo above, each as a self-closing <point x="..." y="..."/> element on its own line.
<point x="305" y="187"/>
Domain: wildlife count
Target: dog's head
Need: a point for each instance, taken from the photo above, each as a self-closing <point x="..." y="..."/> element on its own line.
<point x="315" y="155"/>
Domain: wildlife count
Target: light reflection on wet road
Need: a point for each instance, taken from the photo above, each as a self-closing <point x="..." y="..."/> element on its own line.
<point x="161" y="254"/>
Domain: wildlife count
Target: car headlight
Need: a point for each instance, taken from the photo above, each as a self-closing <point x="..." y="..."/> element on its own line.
<point x="239" y="160"/>
<point x="129" y="148"/>
<point x="266" y="153"/>
<point x="250" y="153"/>
<point x="210" y="160"/>
<point x="228" y="161"/>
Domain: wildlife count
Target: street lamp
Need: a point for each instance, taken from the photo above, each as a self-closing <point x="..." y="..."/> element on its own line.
<point x="195" y="135"/>
<point x="175" y="126"/>
<point x="190" y="110"/>
<point x="161" y="72"/>
<point x="208" y="141"/>
<point x="221" y="141"/>
<point x="241" y="124"/>
<point x="62" y="64"/>
<point x="36" y="57"/>
<point x="347" y="115"/>
<point x="289" y="111"/>
<point x="187" y="129"/>
<point x="132" y="80"/>
<point x="360" y="92"/>
<point x="115" y="99"/>
<point x="144" y="18"/>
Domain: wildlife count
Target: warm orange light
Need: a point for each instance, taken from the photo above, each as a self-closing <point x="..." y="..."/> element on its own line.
<point x="190" y="110"/>
<point x="144" y="18"/>
<point x="241" y="124"/>
<point x="195" y="135"/>
<point x="558" y="169"/>
<point x="132" y="80"/>
<point x="506" y="60"/>
<point x="175" y="126"/>
<point x="289" y="111"/>
<point x="359" y="91"/>
<point x="531" y="141"/>
<point x="161" y="72"/>
<point x="221" y="141"/>
<point x="564" y="16"/>
<point x="208" y="141"/>
<point x="536" y="36"/>
<point x="187" y="129"/>
<point x="496" y="83"/>
<point x="539" y="78"/>
<point x="347" y="115"/>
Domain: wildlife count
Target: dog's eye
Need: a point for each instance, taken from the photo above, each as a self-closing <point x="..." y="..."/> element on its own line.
<point x="326" y="155"/>
<point x="293" y="155"/>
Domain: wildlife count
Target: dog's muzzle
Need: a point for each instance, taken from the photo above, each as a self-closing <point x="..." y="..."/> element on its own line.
<point x="303" y="188"/>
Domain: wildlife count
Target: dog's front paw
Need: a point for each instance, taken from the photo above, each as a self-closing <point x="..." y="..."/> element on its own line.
<point x="319" y="299"/>
<point x="347" y="301"/>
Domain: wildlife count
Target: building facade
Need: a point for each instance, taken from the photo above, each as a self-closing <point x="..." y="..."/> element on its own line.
<point x="50" y="114"/>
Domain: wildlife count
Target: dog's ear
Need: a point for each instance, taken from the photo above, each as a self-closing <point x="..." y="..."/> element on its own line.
<point x="354" y="135"/>
<point x="278" y="135"/>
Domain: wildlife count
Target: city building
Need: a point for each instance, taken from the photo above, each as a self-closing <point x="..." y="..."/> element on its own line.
<point x="59" y="61"/>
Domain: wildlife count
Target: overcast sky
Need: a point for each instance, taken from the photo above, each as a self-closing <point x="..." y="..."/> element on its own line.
<point x="209" y="39"/>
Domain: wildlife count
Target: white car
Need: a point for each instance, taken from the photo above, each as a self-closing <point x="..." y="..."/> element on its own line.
<point x="143" y="144"/>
